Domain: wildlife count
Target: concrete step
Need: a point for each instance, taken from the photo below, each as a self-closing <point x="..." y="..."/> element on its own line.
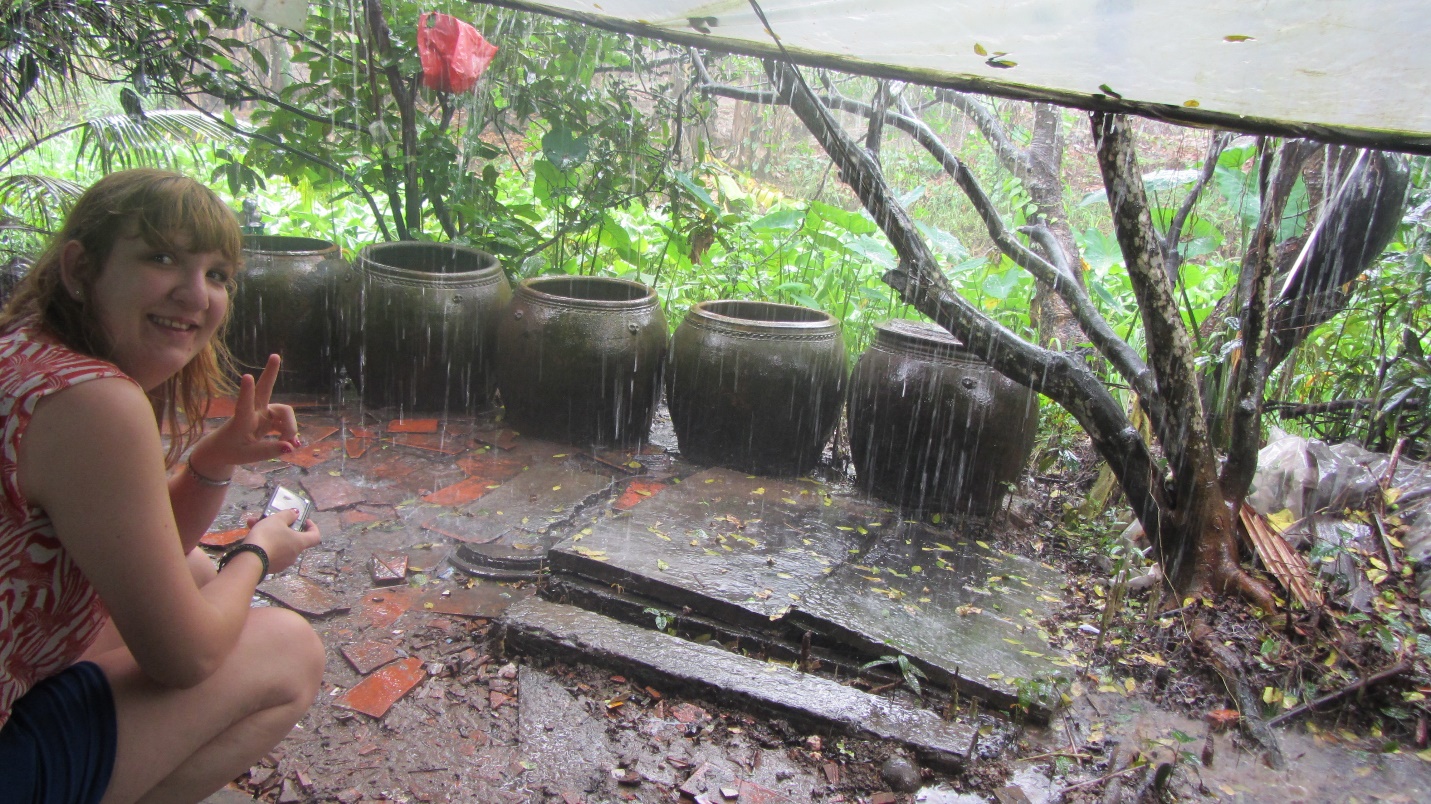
<point x="539" y="627"/>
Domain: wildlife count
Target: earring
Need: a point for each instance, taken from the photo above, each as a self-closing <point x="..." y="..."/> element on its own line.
<point x="79" y="295"/>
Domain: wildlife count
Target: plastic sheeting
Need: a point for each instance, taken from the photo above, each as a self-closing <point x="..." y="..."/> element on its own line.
<point x="1355" y="71"/>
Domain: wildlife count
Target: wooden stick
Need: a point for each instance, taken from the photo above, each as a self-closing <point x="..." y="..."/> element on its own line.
<point x="1375" y="678"/>
<point x="1065" y="791"/>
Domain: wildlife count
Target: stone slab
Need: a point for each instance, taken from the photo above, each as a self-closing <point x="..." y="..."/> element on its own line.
<point x="952" y="605"/>
<point x="511" y="529"/>
<point x="725" y="544"/>
<point x="539" y="626"/>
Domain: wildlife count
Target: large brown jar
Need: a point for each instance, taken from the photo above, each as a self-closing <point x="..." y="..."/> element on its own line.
<point x="934" y="428"/>
<point x="422" y="326"/>
<point x="755" y="386"/>
<point x="284" y="303"/>
<point x="580" y="359"/>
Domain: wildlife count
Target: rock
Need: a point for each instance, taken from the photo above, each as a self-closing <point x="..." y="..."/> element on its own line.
<point x="900" y="774"/>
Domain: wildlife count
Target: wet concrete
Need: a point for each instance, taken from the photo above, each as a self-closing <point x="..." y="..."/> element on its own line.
<point x="965" y="613"/>
<point x="544" y="628"/>
<point x="733" y="546"/>
<point x="484" y="518"/>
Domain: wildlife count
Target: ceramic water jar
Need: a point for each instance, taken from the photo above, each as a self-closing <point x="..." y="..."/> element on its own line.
<point x="422" y="324"/>
<point x="755" y="386"/>
<point x="580" y="359"/>
<point x="934" y="428"/>
<point x="284" y="302"/>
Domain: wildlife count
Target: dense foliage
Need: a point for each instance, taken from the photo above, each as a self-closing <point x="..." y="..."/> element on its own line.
<point x="581" y="151"/>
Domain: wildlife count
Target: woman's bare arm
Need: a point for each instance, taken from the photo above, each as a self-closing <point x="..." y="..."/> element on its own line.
<point x="92" y="459"/>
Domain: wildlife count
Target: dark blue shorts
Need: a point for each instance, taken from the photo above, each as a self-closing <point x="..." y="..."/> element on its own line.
<point x="58" y="745"/>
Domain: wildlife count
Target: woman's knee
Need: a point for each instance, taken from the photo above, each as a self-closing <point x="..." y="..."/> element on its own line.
<point x="285" y="645"/>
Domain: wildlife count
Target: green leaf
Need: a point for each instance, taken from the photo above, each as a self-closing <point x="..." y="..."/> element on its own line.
<point x="564" y="149"/>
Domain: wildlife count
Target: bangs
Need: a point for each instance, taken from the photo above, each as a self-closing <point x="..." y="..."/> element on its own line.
<point x="175" y="205"/>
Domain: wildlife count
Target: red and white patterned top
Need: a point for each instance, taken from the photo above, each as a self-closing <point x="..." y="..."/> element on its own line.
<point x="49" y="612"/>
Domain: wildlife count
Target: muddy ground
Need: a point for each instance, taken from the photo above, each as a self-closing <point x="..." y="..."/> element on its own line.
<point x="422" y="702"/>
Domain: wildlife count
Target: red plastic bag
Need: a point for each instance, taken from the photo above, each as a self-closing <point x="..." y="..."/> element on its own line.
<point x="453" y="53"/>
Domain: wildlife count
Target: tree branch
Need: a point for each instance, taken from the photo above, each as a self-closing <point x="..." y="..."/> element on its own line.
<point x="1124" y="358"/>
<point x="1172" y="260"/>
<point x="919" y="282"/>
<point x="1254" y="288"/>
<point x="351" y="181"/>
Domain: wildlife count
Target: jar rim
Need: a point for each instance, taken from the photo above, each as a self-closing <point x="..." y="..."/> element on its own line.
<point x="740" y="312"/>
<point x="294" y="245"/>
<point x="431" y="260"/>
<point x="588" y="291"/>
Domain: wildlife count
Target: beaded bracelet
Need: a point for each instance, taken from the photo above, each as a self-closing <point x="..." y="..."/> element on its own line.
<point x="246" y="547"/>
<point x="202" y="480"/>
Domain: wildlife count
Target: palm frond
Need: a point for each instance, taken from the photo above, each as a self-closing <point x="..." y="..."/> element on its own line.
<point x="36" y="203"/>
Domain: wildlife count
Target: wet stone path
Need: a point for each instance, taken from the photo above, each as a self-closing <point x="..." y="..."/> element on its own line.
<point x="456" y="554"/>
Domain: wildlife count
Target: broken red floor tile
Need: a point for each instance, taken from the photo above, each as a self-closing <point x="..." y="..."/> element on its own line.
<point x="624" y="462"/>
<point x="389" y="568"/>
<point x="362" y="432"/>
<point x="312" y="434"/>
<point x="444" y="444"/>
<point x="494" y="467"/>
<point x="302" y="595"/>
<point x="689" y="713"/>
<point x="248" y="478"/>
<point x="412" y="426"/>
<point x="485" y="600"/>
<point x="221" y="407"/>
<point x="504" y="438"/>
<point x="355" y="448"/>
<point x="223" y="538"/>
<point x="331" y="493"/>
<point x="635" y="493"/>
<point x="460" y="493"/>
<point x="361" y="515"/>
<point x="310" y="456"/>
<point x="377" y="693"/>
<point x="366" y="657"/>
<point x="497" y="699"/>
<point x="886" y="797"/>
<point x="381" y="609"/>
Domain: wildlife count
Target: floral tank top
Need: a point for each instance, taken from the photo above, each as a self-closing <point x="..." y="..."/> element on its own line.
<point x="49" y="612"/>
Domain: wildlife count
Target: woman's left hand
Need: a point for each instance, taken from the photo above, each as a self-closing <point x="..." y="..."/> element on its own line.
<point x="244" y="437"/>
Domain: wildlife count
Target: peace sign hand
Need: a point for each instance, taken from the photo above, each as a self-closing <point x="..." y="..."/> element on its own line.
<point x="244" y="437"/>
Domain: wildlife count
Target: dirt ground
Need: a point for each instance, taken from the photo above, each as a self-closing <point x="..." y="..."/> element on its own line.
<point x="446" y="714"/>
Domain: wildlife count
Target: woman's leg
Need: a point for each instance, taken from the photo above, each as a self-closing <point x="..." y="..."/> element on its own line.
<point x="200" y="566"/>
<point x="183" y="744"/>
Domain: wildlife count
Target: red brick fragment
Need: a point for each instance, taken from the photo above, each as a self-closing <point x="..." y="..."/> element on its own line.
<point x="503" y="438"/>
<point x="637" y="492"/>
<point x="365" y="657"/>
<point x="379" y="691"/>
<point x="313" y="434"/>
<point x="389" y="568"/>
<point x="223" y="538"/>
<point x="302" y="595"/>
<point x="310" y="456"/>
<point x="412" y="426"/>
<point x="380" y="609"/>
<point x="432" y="442"/>
<point x="221" y="407"/>
<point x="460" y="493"/>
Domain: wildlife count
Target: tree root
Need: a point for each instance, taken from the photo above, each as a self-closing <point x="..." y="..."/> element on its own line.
<point x="1229" y="667"/>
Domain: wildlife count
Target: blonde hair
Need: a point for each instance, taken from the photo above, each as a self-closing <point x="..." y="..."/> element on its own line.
<point x="157" y="205"/>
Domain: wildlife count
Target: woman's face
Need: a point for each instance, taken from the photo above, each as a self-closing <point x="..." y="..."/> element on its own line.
<point x="159" y="307"/>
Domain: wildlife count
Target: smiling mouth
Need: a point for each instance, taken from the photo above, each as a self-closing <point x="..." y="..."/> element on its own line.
<point x="173" y="324"/>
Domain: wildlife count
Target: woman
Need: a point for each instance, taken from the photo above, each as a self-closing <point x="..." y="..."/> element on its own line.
<point x="129" y="667"/>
